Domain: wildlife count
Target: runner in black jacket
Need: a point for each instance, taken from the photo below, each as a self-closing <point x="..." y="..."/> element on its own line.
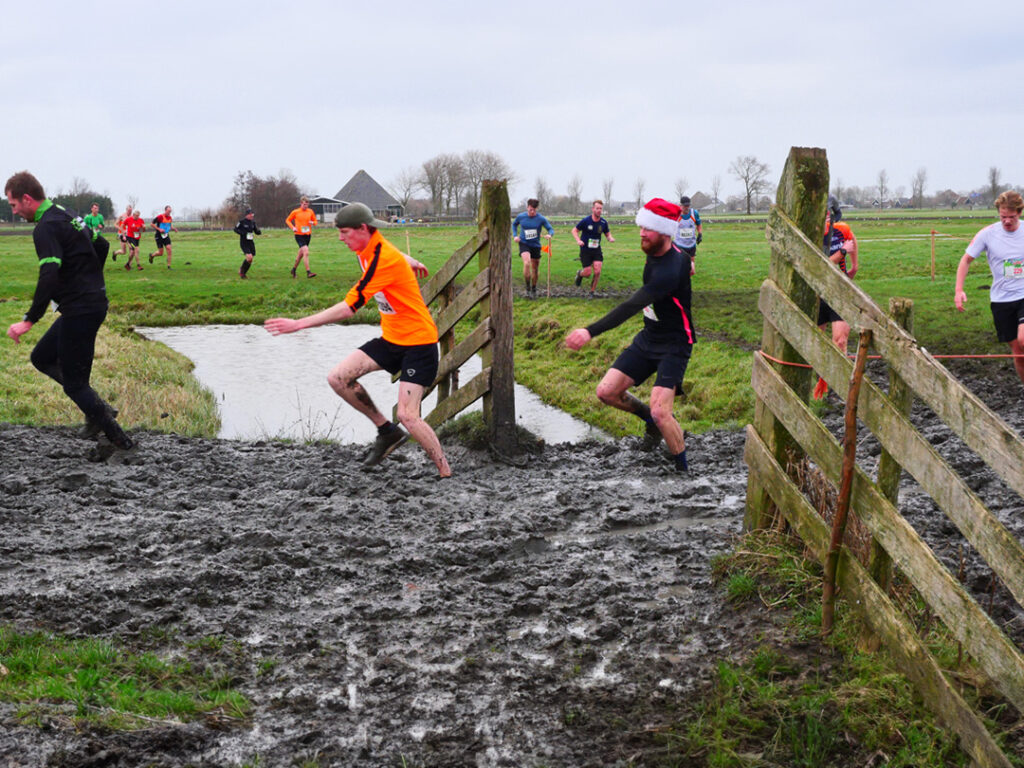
<point x="666" y="341"/>
<point x="247" y="230"/>
<point x="71" y="276"/>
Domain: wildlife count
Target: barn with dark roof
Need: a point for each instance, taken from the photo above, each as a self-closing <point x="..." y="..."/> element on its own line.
<point x="362" y="188"/>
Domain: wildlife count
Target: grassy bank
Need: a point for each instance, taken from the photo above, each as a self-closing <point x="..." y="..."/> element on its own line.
<point x="797" y="700"/>
<point x="55" y="679"/>
<point x="146" y="382"/>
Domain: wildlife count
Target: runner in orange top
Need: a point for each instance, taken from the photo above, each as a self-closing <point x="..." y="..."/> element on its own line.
<point x="409" y="336"/>
<point x="301" y="221"/>
<point x="121" y="233"/>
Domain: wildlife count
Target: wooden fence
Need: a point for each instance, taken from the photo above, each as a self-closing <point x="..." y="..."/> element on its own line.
<point x="490" y="290"/>
<point x="784" y="428"/>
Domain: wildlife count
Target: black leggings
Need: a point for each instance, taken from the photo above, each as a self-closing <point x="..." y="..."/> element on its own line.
<point x="65" y="355"/>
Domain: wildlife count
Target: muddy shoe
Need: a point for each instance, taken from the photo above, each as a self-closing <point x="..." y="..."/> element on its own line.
<point x="579" y="279"/>
<point x="383" y="445"/>
<point x="93" y="427"/>
<point x="105" y="448"/>
<point x="652" y="436"/>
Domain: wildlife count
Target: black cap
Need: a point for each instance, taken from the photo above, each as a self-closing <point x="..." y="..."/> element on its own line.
<point x="684" y="200"/>
<point x="248" y="211"/>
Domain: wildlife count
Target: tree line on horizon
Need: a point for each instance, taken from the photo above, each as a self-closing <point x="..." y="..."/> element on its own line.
<point x="449" y="186"/>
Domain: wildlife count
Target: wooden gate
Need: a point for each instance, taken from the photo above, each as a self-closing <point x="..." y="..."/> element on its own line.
<point x="785" y="427"/>
<point x="491" y="291"/>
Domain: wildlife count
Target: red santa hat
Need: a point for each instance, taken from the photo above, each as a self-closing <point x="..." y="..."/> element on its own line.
<point x="659" y="216"/>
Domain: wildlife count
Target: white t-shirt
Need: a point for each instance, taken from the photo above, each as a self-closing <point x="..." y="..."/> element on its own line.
<point x="1005" y="259"/>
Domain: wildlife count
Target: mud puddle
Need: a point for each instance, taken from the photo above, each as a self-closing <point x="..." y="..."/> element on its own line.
<point x="508" y="616"/>
<point x="545" y="615"/>
<point x="268" y="387"/>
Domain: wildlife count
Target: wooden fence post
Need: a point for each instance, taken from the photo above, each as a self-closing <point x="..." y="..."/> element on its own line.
<point x="499" y="402"/>
<point x="802" y="193"/>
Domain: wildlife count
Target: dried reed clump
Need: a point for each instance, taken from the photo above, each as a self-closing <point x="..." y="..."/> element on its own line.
<point x="824" y="497"/>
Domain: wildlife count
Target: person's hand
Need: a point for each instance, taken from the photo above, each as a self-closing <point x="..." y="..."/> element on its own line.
<point x="420" y="269"/>
<point x="611" y="239"/>
<point x="700" y="237"/>
<point x="275" y="326"/>
<point x="17" y="330"/>
<point x="548" y="236"/>
<point x="959" y="298"/>
<point x="516" y="238"/>
<point x="577" y="339"/>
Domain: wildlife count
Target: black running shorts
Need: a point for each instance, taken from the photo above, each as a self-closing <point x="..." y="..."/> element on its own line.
<point x="417" y="363"/>
<point x="1007" y="315"/>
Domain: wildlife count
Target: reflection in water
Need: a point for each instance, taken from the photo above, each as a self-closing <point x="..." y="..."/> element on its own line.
<point x="277" y="386"/>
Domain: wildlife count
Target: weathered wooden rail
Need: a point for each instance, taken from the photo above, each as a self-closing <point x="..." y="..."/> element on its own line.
<point x="784" y="428"/>
<point x="491" y="338"/>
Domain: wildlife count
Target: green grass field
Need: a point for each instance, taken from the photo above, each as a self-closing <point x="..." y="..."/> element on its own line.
<point x="153" y="388"/>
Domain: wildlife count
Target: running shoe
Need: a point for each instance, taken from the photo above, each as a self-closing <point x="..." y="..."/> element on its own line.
<point x="383" y="445"/>
<point x="93" y="427"/>
<point x="127" y="266"/>
<point x="151" y="257"/>
<point x="311" y="274"/>
<point x="579" y="279"/>
<point x="241" y="274"/>
<point x="293" y="271"/>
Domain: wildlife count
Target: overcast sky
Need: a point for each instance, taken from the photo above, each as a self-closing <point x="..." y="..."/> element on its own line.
<point x="169" y="101"/>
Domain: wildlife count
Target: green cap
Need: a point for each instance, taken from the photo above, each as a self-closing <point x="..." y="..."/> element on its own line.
<point x="354" y="214"/>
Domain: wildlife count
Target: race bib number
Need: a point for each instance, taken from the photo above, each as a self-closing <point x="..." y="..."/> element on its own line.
<point x="305" y="230"/>
<point x="594" y="243"/>
<point x="1013" y="269"/>
<point x="249" y="235"/>
<point x="383" y="304"/>
<point x="530" y="234"/>
<point x="649" y="312"/>
<point x="687" y="231"/>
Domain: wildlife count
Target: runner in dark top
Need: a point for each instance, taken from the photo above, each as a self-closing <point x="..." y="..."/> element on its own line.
<point x="70" y="275"/>
<point x="664" y="345"/>
<point x="247" y="230"/>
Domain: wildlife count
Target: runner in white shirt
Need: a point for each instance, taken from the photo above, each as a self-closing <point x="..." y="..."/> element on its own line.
<point x="1004" y="243"/>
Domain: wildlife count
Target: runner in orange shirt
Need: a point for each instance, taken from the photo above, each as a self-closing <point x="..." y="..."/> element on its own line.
<point x="134" y="225"/>
<point x="301" y="221"/>
<point x="408" y="342"/>
<point x="121" y="234"/>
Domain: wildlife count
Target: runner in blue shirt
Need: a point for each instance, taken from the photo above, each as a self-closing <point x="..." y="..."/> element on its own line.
<point x="588" y="237"/>
<point x="529" y="224"/>
<point x="690" y="232"/>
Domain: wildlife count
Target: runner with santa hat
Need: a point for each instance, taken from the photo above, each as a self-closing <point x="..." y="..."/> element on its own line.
<point x="664" y="345"/>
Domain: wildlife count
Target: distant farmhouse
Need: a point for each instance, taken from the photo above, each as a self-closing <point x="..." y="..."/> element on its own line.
<point x="361" y="188"/>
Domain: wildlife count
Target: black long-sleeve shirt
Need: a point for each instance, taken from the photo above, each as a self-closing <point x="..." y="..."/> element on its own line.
<point x="664" y="299"/>
<point x="246" y="228"/>
<point x="70" y="273"/>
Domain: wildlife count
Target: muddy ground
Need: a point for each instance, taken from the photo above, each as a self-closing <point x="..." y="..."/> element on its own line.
<point x="546" y="615"/>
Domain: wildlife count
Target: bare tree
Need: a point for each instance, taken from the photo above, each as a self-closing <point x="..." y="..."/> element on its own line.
<point x="405" y="185"/>
<point x="543" y="193"/>
<point x="883" y="188"/>
<point x="455" y="182"/>
<point x="917" y="183"/>
<point x="716" y="188"/>
<point x="481" y="165"/>
<point x="432" y="181"/>
<point x="574" y="192"/>
<point x="994" y="175"/>
<point x="754" y="175"/>
<point x="681" y="185"/>
<point x="837" y="190"/>
<point x="638" y="192"/>
<point x="606" y="190"/>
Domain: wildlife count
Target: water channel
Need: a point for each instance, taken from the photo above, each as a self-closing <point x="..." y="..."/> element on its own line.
<point x="276" y="387"/>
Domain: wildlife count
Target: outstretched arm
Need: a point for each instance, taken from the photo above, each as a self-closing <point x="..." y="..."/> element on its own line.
<point x="278" y="325"/>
